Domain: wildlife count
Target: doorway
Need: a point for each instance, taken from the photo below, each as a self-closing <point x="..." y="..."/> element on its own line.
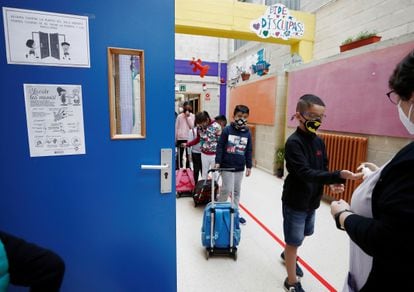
<point x="192" y="98"/>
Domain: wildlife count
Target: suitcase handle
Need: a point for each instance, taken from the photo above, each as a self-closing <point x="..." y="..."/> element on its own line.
<point x="221" y="169"/>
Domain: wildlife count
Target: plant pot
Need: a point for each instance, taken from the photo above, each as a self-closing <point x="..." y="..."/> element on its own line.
<point x="359" y="43"/>
<point x="245" y="76"/>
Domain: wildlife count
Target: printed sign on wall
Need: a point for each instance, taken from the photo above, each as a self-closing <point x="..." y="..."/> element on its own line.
<point x="48" y="39"/>
<point x="54" y="119"/>
<point x="277" y="23"/>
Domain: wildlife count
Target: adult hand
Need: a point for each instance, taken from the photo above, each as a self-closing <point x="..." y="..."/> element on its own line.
<point x="337" y="188"/>
<point x="217" y="165"/>
<point x="338" y="206"/>
<point x="248" y="171"/>
<point x="367" y="168"/>
<point x="183" y="145"/>
<point x="371" y="166"/>
<point x="346" y="174"/>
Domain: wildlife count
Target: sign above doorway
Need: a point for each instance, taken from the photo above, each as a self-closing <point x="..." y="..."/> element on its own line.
<point x="278" y="23"/>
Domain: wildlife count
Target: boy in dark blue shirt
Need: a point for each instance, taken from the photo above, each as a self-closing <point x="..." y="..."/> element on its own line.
<point x="234" y="150"/>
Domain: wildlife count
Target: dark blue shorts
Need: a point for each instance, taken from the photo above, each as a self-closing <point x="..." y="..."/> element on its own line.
<point x="297" y="225"/>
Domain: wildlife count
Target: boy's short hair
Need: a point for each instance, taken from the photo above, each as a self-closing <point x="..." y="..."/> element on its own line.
<point x="308" y="100"/>
<point x="221" y="118"/>
<point x="241" y="108"/>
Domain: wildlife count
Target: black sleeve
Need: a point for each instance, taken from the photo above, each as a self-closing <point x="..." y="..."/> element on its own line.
<point x="391" y="230"/>
<point x="221" y="145"/>
<point x="325" y="156"/>
<point x="298" y="163"/>
<point x="249" y="150"/>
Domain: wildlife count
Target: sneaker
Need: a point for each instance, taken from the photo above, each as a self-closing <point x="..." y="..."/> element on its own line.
<point x="297" y="287"/>
<point x="242" y="221"/>
<point x="299" y="271"/>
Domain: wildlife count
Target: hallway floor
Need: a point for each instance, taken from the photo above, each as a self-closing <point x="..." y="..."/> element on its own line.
<point x="258" y="267"/>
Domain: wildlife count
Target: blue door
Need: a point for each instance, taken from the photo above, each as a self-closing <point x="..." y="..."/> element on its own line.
<point x="100" y="211"/>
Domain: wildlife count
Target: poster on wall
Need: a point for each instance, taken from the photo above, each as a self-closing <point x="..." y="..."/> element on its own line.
<point x="46" y="39"/>
<point x="54" y="117"/>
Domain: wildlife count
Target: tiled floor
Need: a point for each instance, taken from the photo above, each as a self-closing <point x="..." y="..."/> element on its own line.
<point x="258" y="267"/>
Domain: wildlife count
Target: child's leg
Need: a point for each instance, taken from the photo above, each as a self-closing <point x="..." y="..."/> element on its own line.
<point x="196" y="165"/>
<point x="238" y="177"/>
<point x="187" y="158"/>
<point x="227" y="182"/>
<point x="290" y="262"/>
<point x="180" y="153"/>
<point x="296" y="225"/>
<point x="207" y="162"/>
<point x="205" y="165"/>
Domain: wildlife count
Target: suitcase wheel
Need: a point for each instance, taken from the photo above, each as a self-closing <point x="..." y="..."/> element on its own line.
<point x="235" y="255"/>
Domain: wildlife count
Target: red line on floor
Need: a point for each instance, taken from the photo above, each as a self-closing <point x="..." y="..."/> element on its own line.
<point x="300" y="260"/>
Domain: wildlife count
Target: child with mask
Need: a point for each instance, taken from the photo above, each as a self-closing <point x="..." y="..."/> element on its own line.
<point x="183" y="123"/>
<point x="208" y="134"/>
<point x="234" y="150"/>
<point x="307" y="164"/>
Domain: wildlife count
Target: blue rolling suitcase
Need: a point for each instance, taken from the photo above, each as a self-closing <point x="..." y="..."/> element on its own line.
<point x="220" y="233"/>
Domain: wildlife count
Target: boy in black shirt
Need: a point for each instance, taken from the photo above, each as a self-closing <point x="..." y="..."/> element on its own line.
<point x="307" y="164"/>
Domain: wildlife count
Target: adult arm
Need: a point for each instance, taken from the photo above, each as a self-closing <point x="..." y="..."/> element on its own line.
<point x="249" y="151"/>
<point x="391" y="229"/>
<point x="221" y="145"/>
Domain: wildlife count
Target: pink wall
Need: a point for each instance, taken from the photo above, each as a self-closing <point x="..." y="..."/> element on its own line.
<point x="353" y="90"/>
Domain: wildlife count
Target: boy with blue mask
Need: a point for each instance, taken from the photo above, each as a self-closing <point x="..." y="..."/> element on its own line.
<point x="234" y="150"/>
<point x="307" y="164"/>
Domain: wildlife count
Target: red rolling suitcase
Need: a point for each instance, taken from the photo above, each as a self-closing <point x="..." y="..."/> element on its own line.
<point x="184" y="181"/>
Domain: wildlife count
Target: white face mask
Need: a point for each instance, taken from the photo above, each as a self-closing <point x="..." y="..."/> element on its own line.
<point x="408" y="124"/>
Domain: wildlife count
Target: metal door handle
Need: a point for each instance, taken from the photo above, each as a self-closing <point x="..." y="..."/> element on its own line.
<point x="165" y="170"/>
<point x="150" y="166"/>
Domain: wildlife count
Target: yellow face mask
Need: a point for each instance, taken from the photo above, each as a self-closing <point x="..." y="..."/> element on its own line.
<point x="312" y="125"/>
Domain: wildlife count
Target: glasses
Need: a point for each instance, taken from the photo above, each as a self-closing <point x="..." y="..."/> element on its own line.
<point x="313" y="116"/>
<point x="393" y="97"/>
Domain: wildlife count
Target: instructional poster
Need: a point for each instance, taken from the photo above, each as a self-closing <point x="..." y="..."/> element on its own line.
<point x="47" y="39"/>
<point x="54" y="119"/>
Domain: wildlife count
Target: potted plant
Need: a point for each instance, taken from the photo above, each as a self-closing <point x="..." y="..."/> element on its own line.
<point x="279" y="162"/>
<point x="362" y="39"/>
<point x="245" y="75"/>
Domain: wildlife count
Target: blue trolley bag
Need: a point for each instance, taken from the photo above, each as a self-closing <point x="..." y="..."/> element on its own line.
<point x="220" y="232"/>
